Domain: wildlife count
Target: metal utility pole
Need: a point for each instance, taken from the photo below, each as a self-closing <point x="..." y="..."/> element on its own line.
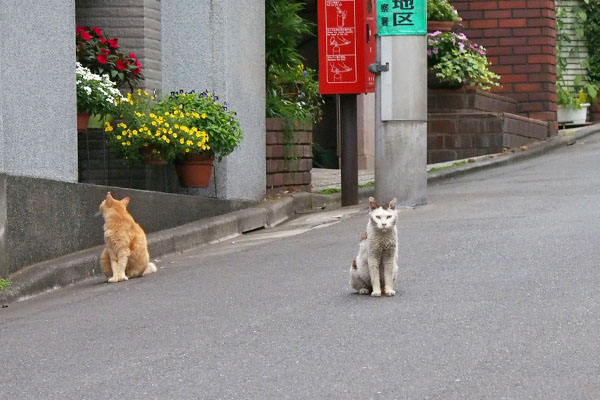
<point x="401" y="102"/>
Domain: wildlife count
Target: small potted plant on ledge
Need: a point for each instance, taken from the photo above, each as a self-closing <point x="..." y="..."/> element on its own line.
<point x="454" y="61"/>
<point x="441" y="16"/>
<point x="188" y="129"/>
<point x="572" y="104"/>
<point x="95" y="95"/>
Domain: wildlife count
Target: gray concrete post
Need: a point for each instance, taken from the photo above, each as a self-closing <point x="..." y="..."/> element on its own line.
<point x="38" y="104"/>
<point x="220" y="46"/>
<point x="401" y="120"/>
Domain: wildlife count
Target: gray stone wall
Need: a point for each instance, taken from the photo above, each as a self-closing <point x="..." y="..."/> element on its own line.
<point x="219" y="45"/>
<point x="37" y="89"/>
<point x="42" y="219"/>
<point x="137" y="25"/>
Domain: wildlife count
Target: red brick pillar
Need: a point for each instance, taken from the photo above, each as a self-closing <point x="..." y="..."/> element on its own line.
<point x="520" y="37"/>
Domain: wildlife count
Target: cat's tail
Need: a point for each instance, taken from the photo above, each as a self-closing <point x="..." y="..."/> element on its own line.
<point x="149" y="269"/>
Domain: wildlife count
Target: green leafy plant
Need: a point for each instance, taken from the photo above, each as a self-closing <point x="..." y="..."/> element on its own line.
<point x="583" y="90"/>
<point x="457" y="61"/>
<point x="181" y="124"/>
<point x="4" y="283"/>
<point x="95" y="94"/>
<point x="100" y="54"/>
<point x="441" y="10"/>
<point x="292" y="89"/>
<point x="591" y="32"/>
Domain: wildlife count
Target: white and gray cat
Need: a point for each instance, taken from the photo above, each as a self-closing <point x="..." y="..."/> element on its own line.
<point x="376" y="266"/>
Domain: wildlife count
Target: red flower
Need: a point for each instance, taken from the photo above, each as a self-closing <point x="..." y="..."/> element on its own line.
<point x="138" y="64"/>
<point x="102" y="58"/>
<point x="136" y="71"/>
<point x="102" y="40"/>
<point x="132" y="56"/>
<point x="98" y="31"/>
<point x="121" y="65"/>
<point x="86" y="35"/>
<point x="79" y="29"/>
<point x="105" y="51"/>
<point x="114" y="43"/>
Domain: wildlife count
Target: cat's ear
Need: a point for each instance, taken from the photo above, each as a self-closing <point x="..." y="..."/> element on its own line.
<point x="393" y="204"/>
<point x="372" y="203"/>
<point x="125" y="201"/>
<point x="109" y="198"/>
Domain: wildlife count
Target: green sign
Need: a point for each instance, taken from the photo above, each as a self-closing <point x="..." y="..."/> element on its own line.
<point x="402" y="17"/>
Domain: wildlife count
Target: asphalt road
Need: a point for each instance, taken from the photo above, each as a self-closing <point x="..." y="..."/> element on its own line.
<point x="498" y="298"/>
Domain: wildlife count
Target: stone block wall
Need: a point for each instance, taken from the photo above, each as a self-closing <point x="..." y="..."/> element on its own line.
<point x="288" y="164"/>
<point x="455" y="136"/>
<point x="137" y="24"/>
<point x="520" y="37"/>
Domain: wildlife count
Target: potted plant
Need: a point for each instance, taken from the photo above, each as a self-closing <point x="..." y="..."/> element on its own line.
<point x="188" y="129"/>
<point x="454" y="61"/>
<point x="441" y="16"/>
<point x="95" y="95"/>
<point x="101" y="56"/>
<point x="572" y="100"/>
<point x="572" y="105"/>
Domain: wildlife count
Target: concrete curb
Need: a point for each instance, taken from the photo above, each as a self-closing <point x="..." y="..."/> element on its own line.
<point x="76" y="267"/>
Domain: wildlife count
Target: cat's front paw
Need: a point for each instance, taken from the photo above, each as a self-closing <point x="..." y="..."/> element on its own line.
<point x="376" y="293"/>
<point x="116" y="279"/>
<point x="363" y="291"/>
<point x="389" y="292"/>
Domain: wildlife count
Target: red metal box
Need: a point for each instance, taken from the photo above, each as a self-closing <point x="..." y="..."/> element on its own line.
<point x="347" y="31"/>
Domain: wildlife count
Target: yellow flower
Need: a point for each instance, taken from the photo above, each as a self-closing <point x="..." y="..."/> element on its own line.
<point x="167" y="124"/>
<point x="107" y="127"/>
<point x="146" y="93"/>
<point x="174" y="135"/>
<point x="118" y="137"/>
<point x="128" y="143"/>
<point x="182" y="140"/>
<point x="139" y="92"/>
<point x="123" y="144"/>
<point x="189" y="143"/>
<point x="187" y="150"/>
<point x="135" y="132"/>
<point x="167" y="113"/>
<point x="176" y="126"/>
<point x="153" y="123"/>
<point x="168" y="140"/>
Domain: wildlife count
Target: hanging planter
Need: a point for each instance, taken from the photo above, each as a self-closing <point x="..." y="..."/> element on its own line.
<point x="83" y="120"/>
<point x="442" y="26"/>
<point x="194" y="171"/>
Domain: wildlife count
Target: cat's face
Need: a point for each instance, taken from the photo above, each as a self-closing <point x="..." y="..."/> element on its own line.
<point x="383" y="216"/>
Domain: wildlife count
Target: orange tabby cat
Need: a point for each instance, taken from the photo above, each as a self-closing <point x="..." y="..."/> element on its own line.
<point x="126" y="253"/>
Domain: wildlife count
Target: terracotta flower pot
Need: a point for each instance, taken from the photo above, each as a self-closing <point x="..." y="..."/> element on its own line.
<point x="83" y="119"/>
<point x="194" y="171"/>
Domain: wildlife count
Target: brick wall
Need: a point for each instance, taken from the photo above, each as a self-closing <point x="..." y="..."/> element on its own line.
<point x="137" y="25"/>
<point x="288" y="167"/>
<point x="520" y="37"/>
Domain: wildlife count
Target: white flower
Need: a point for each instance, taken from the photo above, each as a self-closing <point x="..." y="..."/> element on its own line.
<point x="88" y="90"/>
